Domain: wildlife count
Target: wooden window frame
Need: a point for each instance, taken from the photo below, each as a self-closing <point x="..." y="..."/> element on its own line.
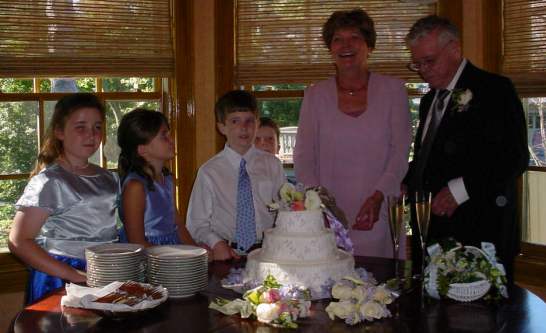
<point x="530" y="265"/>
<point x="13" y="272"/>
<point x="177" y="100"/>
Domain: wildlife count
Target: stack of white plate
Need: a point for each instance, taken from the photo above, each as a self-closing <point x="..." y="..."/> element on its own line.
<point x="107" y="263"/>
<point x="182" y="269"/>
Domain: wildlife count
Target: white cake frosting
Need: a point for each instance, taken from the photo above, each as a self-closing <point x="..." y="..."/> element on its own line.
<point x="301" y="251"/>
<point x="304" y="221"/>
<point x="298" y="246"/>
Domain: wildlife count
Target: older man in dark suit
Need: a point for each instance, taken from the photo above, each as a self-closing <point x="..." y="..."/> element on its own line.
<point x="471" y="144"/>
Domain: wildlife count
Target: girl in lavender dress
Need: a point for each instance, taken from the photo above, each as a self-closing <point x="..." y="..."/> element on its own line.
<point x="147" y="209"/>
<point x="68" y="204"/>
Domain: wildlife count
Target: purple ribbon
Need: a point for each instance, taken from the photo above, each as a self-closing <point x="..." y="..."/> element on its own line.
<point x="342" y="235"/>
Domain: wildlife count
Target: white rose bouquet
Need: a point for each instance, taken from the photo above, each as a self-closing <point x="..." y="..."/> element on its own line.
<point x="270" y="303"/>
<point x="359" y="301"/>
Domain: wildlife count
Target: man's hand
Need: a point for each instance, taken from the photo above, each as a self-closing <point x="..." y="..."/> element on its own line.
<point x="443" y="203"/>
<point x="222" y="251"/>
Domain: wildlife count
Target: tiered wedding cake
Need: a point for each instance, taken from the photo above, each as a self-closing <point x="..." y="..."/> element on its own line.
<point x="300" y="251"/>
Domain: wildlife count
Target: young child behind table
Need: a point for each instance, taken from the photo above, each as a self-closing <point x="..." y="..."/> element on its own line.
<point x="213" y="208"/>
<point x="267" y="136"/>
<point x="68" y="204"/>
<point x="147" y="209"/>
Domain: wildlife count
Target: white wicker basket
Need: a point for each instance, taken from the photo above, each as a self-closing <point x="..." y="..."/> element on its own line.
<point x="468" y="292"/>
<point x="462" y="292"/>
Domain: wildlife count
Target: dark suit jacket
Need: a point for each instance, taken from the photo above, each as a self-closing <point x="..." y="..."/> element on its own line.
<point x="486" y="145"/>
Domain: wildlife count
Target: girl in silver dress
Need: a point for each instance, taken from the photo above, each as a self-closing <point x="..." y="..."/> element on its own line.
<point x="68" y="204"/>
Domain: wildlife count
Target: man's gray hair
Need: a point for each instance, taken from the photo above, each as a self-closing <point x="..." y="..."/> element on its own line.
<point x="428" y="24"/>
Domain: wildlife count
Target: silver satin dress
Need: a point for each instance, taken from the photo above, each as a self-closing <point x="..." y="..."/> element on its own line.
<point x="82" y="209"/>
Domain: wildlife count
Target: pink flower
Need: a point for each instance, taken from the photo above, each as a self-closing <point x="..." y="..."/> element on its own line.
<point x="297" y="206"/>
<point x="270" y="296"/>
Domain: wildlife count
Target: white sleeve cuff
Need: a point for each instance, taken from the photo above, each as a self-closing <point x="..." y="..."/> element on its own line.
<point x="212" y="239"/>
<point x="458" y="190"/>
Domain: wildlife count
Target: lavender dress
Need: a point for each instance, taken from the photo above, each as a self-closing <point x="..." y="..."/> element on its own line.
<point x="159" y="214"/>
<point x="355" y="156"/>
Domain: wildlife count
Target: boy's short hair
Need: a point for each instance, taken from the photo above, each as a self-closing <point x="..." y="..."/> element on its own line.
<point x="235" y="101"/>
<point x="268" y="122"/>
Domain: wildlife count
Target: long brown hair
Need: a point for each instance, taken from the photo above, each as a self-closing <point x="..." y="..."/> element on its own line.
<point x="52" y="147"/>
<point x="136" y="128"/>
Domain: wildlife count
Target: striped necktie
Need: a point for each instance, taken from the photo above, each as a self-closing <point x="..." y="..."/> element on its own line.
<point x="426" y="146"/>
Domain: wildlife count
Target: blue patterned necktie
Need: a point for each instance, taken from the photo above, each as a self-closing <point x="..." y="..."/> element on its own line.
<point x="246" y="224"/>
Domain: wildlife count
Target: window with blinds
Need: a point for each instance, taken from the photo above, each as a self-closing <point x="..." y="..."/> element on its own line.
<point x="524" y="44"/>
<point x="85" y="38"/>
<point x="281" y="41"/>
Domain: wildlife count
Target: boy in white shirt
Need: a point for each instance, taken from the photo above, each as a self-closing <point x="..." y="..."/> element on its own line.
<point x="220" y="212"/>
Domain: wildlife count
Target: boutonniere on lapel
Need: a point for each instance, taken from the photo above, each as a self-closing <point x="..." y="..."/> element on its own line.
<point x="461" y="99"/>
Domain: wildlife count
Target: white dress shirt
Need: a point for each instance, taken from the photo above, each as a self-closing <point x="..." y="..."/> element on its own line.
<point x="456" y="185"/>
<point x="212" y="209"/>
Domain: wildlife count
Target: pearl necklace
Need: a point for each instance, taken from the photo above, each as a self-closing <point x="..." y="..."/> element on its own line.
<point x="351" y="92"/>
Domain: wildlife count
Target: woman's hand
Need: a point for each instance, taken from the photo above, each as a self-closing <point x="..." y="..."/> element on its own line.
<point x="369" y="212"/>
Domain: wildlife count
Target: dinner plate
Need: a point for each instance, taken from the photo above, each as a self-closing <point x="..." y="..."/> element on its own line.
<point x="167" y="270"/>
<point x="177" y="282"/>
<point x="114" y="249"/>
<point x="175" y="251"/>
<point x="184" y="280"/>
<point x="194" y="288"/>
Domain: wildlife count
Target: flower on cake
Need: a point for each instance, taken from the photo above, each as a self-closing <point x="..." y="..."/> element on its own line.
<point x="270" y="303"/>
<point x="294" y="199"/>
<point x="359" y="301"/>
<point x="312" y="200"/>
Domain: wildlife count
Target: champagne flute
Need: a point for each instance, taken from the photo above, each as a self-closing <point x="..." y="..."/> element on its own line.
<point x="423" y="202"/>
<point x="396" y="207"/>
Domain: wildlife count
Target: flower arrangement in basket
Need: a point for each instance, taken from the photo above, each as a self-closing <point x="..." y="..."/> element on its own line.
<point x="295" y="198"/>
<point x="465" y="273"/>
<point x="270" y="303"/>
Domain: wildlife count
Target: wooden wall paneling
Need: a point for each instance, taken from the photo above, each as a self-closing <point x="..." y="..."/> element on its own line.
<point x="13" y="274"/>
<point x="182" y="105"/>
<point x="225" y="52"/>
<point x="491" y="22"/>
<point x="204" y="79"/>
<point x="452" y="10"/>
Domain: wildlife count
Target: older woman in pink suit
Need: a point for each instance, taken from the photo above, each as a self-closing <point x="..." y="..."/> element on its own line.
<point x="354" y="134"/>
